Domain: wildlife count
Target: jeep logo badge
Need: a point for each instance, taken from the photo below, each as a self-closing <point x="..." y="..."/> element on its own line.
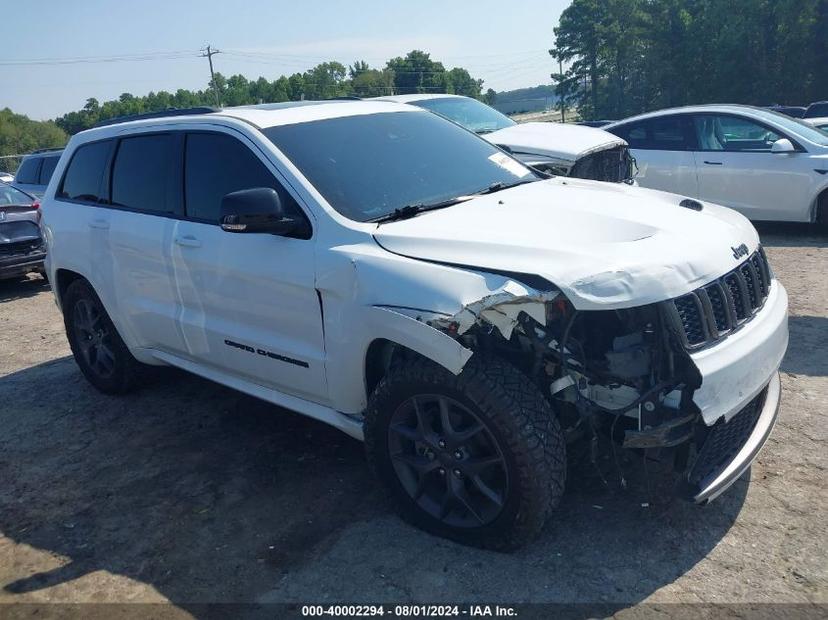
<point x="739" y="250"/>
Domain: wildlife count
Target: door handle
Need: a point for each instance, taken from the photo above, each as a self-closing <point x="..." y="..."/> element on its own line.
<point x="99" y="223"/>
<point x="713" y="163"/>
<point x="188" y="241"/>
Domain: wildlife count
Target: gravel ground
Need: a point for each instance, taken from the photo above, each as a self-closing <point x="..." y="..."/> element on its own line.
<point x="190" y="493"/>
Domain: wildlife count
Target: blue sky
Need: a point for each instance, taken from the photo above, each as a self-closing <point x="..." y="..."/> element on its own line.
<point x="503" y="43"/>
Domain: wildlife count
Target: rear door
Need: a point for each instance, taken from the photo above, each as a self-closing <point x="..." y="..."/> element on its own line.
<point x="248" y="302"/>
<point x="737" y="169"/>
<point x="663" y="151"/>
<point x="144" y="198"/>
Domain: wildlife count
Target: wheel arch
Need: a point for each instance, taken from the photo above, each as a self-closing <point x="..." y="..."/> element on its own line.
<point x="821" y="210"/>
<point x="64" y="278"/>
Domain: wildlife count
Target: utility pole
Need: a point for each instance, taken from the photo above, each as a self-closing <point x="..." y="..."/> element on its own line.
<point x="561" y="99"/>
<point x="208" y="54"/>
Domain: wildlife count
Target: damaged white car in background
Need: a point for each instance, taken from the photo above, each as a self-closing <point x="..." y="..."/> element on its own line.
<point x="555" y="148"/>
<point x="382" y="269"/>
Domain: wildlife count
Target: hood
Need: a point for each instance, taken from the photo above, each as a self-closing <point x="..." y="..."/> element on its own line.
<point x="558" y="140"/>
<point x="603" y="245"/>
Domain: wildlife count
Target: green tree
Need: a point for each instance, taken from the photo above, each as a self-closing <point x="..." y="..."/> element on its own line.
<point x="417" y="73"/>
<point x="461" y="83"/>
<point x="19" y="134"/>
<point x="372" y="83"/>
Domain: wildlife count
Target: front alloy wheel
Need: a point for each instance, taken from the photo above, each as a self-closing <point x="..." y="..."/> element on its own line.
<point x="447" y="461"/>
<point x="478" y="458"/>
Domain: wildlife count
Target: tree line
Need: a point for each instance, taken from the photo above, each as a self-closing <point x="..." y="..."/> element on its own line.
<point x="629" y="56"/>
<point x="20" y="134"/>
<point x="414" y="73"/>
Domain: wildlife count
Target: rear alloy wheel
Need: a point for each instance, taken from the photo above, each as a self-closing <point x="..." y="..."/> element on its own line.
<point x="478" y="458"/>
<point x="98" y="348"/>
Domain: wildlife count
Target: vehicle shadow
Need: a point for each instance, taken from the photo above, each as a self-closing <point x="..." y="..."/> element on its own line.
<point x="792" y="234"/>
<point x="207" y="495"/>
<point x="11" y="290"/>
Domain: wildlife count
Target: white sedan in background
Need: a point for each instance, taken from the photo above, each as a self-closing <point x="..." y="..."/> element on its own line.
<point x="766" y="165"/>
<point x="556" y="148"/>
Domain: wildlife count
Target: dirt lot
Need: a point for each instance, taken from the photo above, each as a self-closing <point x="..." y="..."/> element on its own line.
<point x="191" y="493"/>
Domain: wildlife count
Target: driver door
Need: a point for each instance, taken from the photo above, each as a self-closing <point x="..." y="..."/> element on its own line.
<point x="737" y="169"/>
<point x="248" y="303"/>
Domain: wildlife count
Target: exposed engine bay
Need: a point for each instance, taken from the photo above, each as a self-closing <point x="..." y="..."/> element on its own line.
<point x="621" y="366"/>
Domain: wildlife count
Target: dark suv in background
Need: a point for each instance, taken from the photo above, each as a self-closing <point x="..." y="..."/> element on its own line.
<point x="35" y="171"/>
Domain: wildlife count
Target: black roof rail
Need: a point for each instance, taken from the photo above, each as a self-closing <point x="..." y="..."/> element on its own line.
<point x="343" y="98"/>
<point x="158" y="114"/>
<point x="47" y="150"/>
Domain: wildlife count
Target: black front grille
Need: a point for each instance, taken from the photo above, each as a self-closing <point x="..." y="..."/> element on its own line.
<point x="724" y="440"/>
<point x="715" y="310"/>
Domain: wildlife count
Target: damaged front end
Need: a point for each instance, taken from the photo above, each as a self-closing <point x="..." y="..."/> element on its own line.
<point x="625" y="374"/>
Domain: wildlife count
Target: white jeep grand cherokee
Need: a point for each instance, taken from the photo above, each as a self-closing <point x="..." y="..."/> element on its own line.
<point x="379" y="268"/>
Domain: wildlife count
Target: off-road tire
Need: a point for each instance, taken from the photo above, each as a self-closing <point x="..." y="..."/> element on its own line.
<point x="519" y="418"/>
<point x="126" y="370"/>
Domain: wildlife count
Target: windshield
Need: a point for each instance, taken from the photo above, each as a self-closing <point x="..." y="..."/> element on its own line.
<point x="11" y="196"/>
<point x="796" y="126"/>
<point x="369" y="165"/>
<point x="472" y="114"/>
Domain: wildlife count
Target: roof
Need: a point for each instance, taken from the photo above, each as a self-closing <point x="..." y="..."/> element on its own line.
<point x="725" y="108"/>
<point x="417" y="97"/>
<point x="260" y="116"/>
<point x="269" y="115"/>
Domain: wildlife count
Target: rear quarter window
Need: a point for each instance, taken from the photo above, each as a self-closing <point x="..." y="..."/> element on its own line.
<point x="84" y="176"/>
<point x="28" y="170"/>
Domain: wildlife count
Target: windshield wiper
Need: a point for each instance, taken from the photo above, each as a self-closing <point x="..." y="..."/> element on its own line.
<point x="500" y="186"/>
<point x="409" y="211"/>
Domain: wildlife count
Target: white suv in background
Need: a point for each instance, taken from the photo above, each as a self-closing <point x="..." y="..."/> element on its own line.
<point x="766" y="165"/>
<point x="385" y="271"/>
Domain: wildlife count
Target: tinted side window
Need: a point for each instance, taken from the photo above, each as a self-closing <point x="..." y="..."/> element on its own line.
<point x="27" y="172"/>
<point x="635" y="134"/>
<point x="141" y="172"/>
<point x="216" y="164"/>
<point x="83" y="177"/>
<point x="668" y="133"/>
<point x="47" y="168"/>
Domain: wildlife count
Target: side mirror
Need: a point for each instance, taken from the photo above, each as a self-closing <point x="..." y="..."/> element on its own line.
<point x="256" y="210"/>
<point x="783" y="145"/>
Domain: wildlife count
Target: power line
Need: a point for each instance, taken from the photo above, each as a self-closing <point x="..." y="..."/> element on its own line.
<point x="148" y="56"/>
